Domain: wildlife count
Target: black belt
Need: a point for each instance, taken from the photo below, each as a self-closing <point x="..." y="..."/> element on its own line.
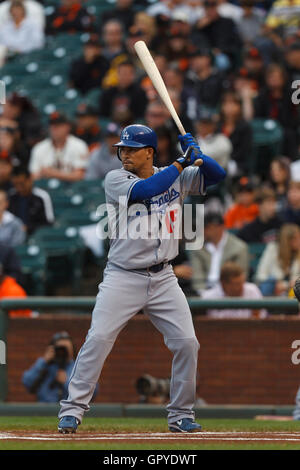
<point x="156" y="268"/>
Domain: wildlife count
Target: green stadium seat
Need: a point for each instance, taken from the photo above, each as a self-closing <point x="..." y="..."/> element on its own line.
<point x="62" y="201"/>
<point x="78" y="218"/>
<point x="34" y="264"/>
<point x="89" y="186"/>
<point x="267" y="144"/>
<point x="64" y="249"/>
<point x="54" y="185"/>
<point x="255" y="252"/>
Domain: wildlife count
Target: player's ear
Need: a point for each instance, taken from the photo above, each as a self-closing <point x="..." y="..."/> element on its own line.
<point x="150" y="152"/>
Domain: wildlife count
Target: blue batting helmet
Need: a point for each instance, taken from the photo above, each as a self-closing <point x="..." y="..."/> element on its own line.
<point x="137" y="135"/>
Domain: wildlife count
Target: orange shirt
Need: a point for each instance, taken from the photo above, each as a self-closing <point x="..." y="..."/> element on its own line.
<point x="10" y="288"/>
<point x="239" y="215"/>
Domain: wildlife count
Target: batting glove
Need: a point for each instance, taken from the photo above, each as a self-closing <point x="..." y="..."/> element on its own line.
<point x="189" y="158"/>
<point x="186" y="141"/>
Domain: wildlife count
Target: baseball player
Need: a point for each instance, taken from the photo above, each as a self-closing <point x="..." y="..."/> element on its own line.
<point x="139" y="275"/>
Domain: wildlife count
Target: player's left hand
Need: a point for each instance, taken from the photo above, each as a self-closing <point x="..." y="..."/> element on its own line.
<point x="186" y="141"/>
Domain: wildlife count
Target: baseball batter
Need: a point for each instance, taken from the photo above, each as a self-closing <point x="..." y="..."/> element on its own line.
<point x="139" y="276"/>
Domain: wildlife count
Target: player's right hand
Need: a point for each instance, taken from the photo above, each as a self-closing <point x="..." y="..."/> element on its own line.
<point x="190" y="156"/>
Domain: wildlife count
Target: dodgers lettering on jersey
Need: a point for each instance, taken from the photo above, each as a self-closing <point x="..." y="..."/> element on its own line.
<point x="146" y="233"/>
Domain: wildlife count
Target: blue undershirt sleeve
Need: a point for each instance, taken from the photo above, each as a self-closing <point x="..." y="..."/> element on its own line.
<point x="154" y="185"/>
<point x="212" y="171"/>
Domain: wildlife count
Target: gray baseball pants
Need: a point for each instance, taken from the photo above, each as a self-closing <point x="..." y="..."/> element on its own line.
<point x="121" y="295"/>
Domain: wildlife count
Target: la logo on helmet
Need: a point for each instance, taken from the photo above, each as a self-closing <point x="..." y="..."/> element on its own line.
<point x="125" y="135"/>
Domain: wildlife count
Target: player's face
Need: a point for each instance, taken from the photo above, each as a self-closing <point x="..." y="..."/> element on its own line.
<point x="134" y="159"/>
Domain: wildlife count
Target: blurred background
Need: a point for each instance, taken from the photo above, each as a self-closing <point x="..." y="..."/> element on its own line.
<point x="73" y="81"/>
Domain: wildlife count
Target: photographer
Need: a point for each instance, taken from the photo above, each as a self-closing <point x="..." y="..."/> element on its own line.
<point x="49" y="375"/>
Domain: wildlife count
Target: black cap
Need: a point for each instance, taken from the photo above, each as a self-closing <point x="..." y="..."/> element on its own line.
<point x="215" y="218"/>
<point x="245" y="185"/>
<point x="58" y="118"/>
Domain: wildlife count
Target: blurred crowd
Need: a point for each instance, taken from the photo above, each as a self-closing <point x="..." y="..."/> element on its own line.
<point x="226" y="65"/>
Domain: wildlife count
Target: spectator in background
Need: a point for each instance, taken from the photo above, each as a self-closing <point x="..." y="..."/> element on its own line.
<point x="233" y="284"/>
<point x="12" y="232"/>
<point x="265" y="226"/>
<point x="125" y="102"/>
<point x="275" y="102"/>
<point x="21" y="110"/>
<point x="254" y="65"/>
<point x="177" y="49"/>
<point x="34" y="12"/>
<point x="48" y="377"/>
<point x="20" y="34"/>
<point x="279" y="265"/>
<point x="187" y="105"/>
<point x="146" y="26"/>
<point x="283" y="18"/>
<point x="218" y="34"/>
<point x="229" y="10"/>
<point x="237" y="130"/>
<point x="9" y="288"/>
<point x="292" y="61"/>
<point x="5" y="173"/>
<point x="30" y="204"/>
<point x="166" y="150"/>
<point x="211" y="142"/>
<point x="11" y="146"/>
<point x="171" y="8"/>
<point x="207" y="82"/>
<point x="219" y="246"/>
<point x="88" y="71"/>
<point x="104" y="159"/>
<point x="158" y="117"/>
<point x="113" y="39"/>
<point x="61" y="155"/>
<point x="123" y="12"/>
<point x="183" y="271"/>
<point x="280" y="175"/>
<point x="251" y="21"/>
<point x="244" y="209"/>
<point x="291" y="213"/>
<point x="10" y="262"/>
<point x="69" y="17"/>
<point x="87" y="125"/>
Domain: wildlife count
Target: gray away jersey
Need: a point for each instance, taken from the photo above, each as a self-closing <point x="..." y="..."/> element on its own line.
<point x="147" y="233"/>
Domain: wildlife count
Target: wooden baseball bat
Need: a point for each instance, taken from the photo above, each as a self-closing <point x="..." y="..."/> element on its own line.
<point x="157" y="80"/>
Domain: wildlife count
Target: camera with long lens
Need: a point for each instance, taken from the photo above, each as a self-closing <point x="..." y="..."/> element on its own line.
<point x="150" y="388"/>
<point x="61" y="356"/>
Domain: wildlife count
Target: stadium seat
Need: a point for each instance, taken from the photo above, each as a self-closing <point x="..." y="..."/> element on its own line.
<point x="33" y="263"/>
<point x="255" y="252"/>
<point x="64" y="250"/>
<point x="62" y="201"/>
<point x="267" y="143"/>
<point x="52" y="185"/>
